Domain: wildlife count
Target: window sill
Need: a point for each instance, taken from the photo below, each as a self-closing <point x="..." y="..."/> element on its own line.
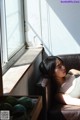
<point x="15" y="73"/>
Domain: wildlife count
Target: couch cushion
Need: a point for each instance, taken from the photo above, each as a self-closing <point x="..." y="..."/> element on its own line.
<point x="71" y="112"/>
<point x="64" y="112"/>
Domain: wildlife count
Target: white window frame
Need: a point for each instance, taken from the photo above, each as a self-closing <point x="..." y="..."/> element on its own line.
<point x="4" y="35"/>
<point x="6" y="63"/>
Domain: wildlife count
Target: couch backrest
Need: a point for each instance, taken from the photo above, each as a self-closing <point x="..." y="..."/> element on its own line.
<point x="71" y="61"/>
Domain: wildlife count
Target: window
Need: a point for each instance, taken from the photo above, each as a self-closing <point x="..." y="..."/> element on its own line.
<point x="33" y="22"/>
<point x="12" y="28"/>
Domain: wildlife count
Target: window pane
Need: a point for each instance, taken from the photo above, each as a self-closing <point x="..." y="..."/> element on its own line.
<point x="14" y="19"/>
<point x="33" y="21"/>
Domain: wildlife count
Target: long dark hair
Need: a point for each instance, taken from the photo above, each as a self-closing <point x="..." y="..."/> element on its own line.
<point x="47" y="68"/>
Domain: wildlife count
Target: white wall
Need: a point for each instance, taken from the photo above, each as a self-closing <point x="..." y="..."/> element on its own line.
<point x="56" y="24"/>
<point x="65" y="27"/>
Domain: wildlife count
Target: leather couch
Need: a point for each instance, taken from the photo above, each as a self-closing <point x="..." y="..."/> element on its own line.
<point x="51" y="109"/>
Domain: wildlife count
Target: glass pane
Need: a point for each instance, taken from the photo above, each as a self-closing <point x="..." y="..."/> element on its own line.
<point x="14" y="18"/>
<point x="33" y="22"/>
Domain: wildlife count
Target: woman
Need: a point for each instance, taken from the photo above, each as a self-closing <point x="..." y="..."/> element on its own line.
<point x="67" y="90"/>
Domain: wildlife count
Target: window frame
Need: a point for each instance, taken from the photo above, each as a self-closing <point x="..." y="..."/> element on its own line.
<point x="1" y="83"/>
<point x="9" y="62"/>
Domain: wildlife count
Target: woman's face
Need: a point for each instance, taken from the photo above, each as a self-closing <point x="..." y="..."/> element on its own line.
<point x="60" y="70"/>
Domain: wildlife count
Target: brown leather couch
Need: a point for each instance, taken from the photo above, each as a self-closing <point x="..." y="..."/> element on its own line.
<point x="51" y="109"/>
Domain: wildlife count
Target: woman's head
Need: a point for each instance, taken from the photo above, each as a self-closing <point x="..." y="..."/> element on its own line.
<point x="53" y="66"/>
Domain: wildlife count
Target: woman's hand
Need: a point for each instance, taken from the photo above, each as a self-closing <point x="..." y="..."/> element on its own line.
<point x="74" y="72"/>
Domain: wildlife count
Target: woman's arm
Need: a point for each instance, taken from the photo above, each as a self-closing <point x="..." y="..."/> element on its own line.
<point x="74" y="72"/>
<point x="67" y="99"/>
